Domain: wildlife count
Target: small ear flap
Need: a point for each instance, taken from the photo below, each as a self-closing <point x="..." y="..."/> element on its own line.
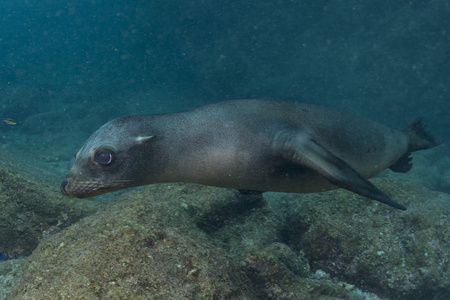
<point x="144" y="139"/>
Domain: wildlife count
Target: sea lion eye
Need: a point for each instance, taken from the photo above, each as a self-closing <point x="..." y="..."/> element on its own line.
<point x="104" y="157"/>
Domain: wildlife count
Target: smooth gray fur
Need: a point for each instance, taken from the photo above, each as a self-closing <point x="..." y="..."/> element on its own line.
<point x="257" y="145"/>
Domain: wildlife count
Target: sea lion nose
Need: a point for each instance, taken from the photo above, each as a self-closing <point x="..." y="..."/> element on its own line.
<point x="63" y="186"/>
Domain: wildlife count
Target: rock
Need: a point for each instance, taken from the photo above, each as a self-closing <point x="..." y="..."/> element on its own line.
<point x="31" y="211"/>
<point x="185" y="241"/>
<point x="277" y="273"/>
<point x="145" y="245"/>
<point x="9" y="271"/>
<point x="398" y="254"/>
<point x="171" y="242"/>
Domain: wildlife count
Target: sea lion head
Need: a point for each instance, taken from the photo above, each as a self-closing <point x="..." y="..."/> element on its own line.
<point x="111" y="159"/>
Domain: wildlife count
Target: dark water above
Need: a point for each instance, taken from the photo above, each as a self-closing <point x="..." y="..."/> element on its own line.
<point x="385" y="60"/>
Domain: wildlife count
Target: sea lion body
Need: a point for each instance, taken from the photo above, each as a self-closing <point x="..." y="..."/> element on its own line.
<point x="259" y="145"/>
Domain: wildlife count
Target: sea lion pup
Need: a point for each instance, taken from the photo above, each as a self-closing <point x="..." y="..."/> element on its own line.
<point x="256" y="145"/>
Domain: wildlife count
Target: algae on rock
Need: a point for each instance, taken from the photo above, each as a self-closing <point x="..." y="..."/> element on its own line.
<point x="185" y="241"/>
<point x="399" y="254"/>
<point x="154" y="244"/>
<point x="142" y="246"/>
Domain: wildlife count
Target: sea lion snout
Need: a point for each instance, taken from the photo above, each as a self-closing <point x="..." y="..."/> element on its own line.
<point x="74" y="186"/>
<point x="78" y="189"/>
<point x="68" y="190"/>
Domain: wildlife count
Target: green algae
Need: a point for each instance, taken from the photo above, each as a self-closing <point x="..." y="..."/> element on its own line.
<point x="185" y="241"/>
<point x="141" y="246"/>
<point x="153" y="245"/>
<point x="389" y="252"/>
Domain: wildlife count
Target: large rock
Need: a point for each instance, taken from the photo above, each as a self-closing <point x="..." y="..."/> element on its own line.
<point x="141" y="247"/>
<point x="184" y="241"/>
<point x="399" y="254"/>
<point x="171" y="242"/>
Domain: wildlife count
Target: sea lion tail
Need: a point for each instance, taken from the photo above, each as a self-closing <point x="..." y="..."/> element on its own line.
<point x="418" y="139"/>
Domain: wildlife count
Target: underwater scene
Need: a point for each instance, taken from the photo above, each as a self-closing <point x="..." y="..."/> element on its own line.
<point x="128" y="171"/>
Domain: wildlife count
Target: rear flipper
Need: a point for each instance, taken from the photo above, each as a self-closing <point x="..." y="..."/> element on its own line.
<point x="301" y="150"/>
<point x="418" y="139"/>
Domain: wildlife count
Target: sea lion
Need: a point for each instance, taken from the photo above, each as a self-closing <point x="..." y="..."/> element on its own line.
<point x="256" y="145"/>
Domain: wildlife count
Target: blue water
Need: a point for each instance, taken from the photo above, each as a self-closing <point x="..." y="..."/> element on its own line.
<point x="67" y="67"/>
<point x="385" y="60"/>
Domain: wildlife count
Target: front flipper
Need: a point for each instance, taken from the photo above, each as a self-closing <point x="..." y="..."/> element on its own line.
<point x="301" y="149"/>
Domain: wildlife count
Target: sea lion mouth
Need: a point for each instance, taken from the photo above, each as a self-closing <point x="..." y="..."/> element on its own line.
<point x="79" y="189"/>
<point x="89" y="188"/>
